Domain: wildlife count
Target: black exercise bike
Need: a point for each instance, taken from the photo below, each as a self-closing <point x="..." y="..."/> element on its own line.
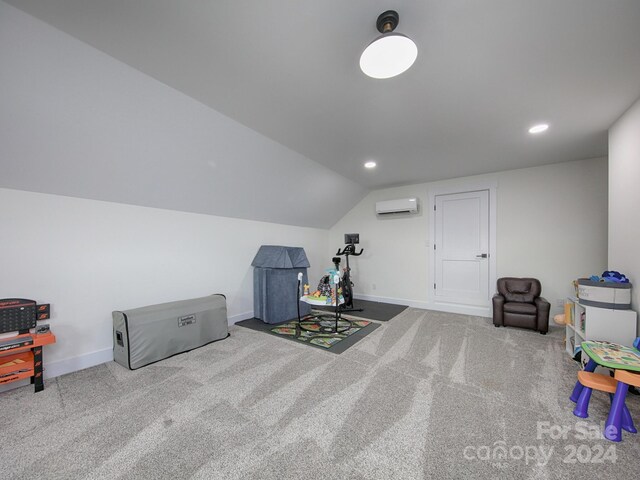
<point x="347" y="284"/>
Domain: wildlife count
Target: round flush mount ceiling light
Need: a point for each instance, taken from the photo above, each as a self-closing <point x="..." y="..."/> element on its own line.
<point x="370" y="165"/>
<point x="541" y="127"/>
<point x="391" y="53"/>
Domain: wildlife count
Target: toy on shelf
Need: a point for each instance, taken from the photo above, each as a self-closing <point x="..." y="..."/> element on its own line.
<point x="613" y="276"/>
<point x="610" y="276"/>
<point x="560" y="319"/>
<point x="612" y="290"/>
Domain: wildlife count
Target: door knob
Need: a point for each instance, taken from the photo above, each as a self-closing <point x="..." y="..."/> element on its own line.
<point x="482" y="255"/>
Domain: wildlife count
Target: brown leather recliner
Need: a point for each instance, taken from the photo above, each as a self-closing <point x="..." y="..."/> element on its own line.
<point x="518" y="304"/>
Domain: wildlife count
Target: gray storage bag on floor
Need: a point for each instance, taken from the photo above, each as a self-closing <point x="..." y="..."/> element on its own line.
<point x="145" y="335"/>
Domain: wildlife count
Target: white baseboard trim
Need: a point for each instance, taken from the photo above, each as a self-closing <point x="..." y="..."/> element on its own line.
<point x="438" y="306"/>
<point x="462" y="309"/>
<point x="69" y="365"/>
<point x="239" y="317"/>
<point x="393" y="301"/>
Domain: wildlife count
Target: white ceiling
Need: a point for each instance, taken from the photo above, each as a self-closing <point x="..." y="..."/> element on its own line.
<point x="486" y="71"/>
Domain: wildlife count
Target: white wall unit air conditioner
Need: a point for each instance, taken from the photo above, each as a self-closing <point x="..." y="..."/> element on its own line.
<point x="402" y="205"/>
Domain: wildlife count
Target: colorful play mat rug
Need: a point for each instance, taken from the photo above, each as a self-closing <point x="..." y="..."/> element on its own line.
<point x="313" y="334"/>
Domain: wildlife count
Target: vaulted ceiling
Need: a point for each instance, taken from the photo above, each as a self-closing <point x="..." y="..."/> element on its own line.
<point x="288" y="69"/>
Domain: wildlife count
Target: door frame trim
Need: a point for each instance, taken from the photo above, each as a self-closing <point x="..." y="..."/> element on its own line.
<point x="463" y="186"/>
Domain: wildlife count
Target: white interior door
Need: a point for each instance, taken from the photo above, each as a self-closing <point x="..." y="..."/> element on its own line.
<point x="461" y="248"/>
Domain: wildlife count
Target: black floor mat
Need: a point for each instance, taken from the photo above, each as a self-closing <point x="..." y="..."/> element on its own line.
<point x="382" y="312"/>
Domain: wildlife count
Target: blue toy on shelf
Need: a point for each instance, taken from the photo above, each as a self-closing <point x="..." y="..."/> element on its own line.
<point x="613" y="276"/>
<point x="610" y="276"/>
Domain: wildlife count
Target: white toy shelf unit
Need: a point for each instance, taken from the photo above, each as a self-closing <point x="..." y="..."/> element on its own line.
<point x="588" y="322"/>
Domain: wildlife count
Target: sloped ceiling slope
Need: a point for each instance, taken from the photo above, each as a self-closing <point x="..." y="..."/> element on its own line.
<point x="76" y="122"/>
<point x="486" y="71"/>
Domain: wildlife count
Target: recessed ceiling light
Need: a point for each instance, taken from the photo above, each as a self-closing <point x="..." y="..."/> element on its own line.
<point x="370" y="165"/>
<point x="541" y="127"/>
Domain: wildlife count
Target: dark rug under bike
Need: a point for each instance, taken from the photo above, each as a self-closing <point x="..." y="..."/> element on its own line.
<point x="382" y="312"/>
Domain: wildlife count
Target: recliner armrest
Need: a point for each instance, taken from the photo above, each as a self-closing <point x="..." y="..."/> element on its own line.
<point x="498" y="310"/>
<point x="543" y="307"/>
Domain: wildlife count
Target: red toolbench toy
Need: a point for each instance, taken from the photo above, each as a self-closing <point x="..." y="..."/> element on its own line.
<point x="21" y="354"/>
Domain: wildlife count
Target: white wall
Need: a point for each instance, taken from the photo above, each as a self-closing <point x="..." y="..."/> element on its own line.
<point x="88" y="258"/>
<point x="624" y="198"/>
<point x="75" y="121"/>
<point x="551" y="224"/>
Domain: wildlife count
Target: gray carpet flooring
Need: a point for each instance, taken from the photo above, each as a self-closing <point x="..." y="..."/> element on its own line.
<point x="426" y="395"/>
